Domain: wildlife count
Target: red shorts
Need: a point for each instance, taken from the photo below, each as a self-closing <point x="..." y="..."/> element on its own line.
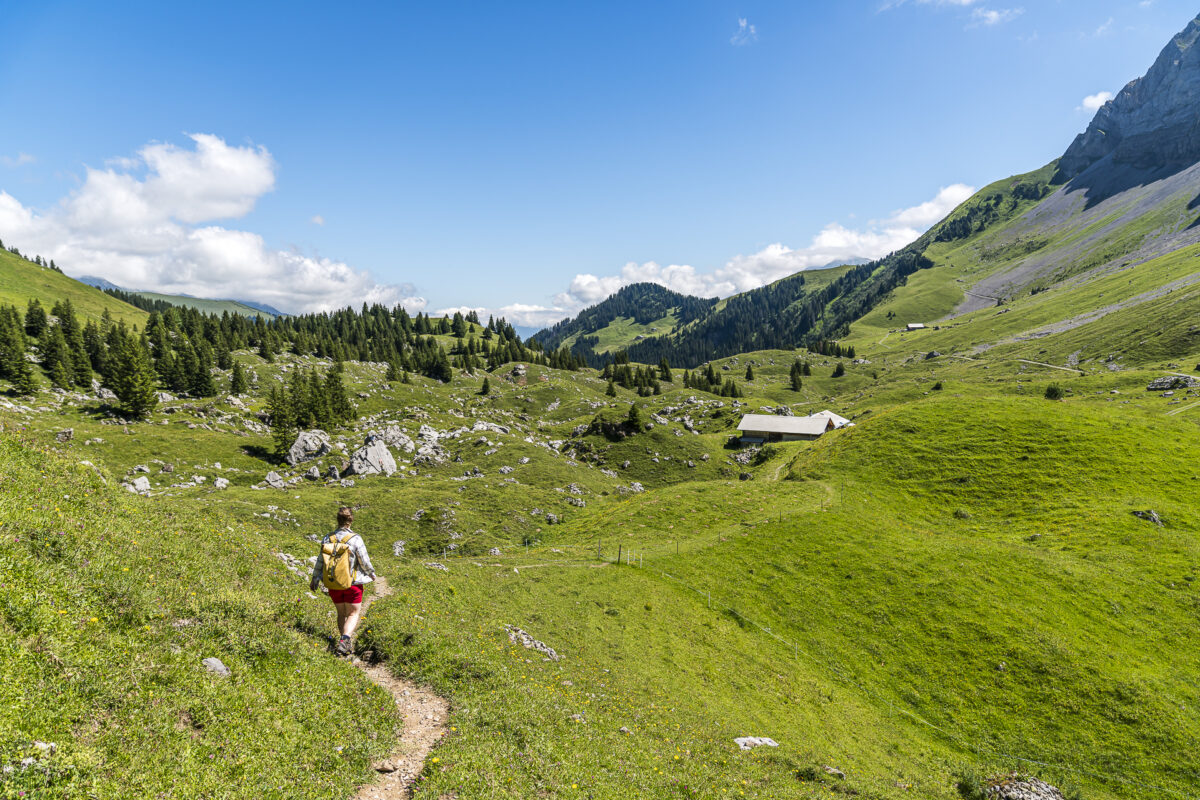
<point x="351" y="595"/>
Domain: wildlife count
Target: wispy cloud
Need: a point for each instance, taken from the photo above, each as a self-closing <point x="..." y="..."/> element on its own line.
<point x="890" y="4"/>
<point x="149" y="223"/>
<point x="746" y="33"/>
<point x="317" y="219"/>
<point x="1093" y="101"/>
<point x="994" y="16"/>
<point x="19" y="160"/>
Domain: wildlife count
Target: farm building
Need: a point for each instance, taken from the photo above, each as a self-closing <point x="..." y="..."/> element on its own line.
<point x="916" y="326"/>
<point x="759" y="428"/>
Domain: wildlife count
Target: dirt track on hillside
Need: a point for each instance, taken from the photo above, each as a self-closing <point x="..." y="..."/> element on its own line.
<point x="425" y="715"/>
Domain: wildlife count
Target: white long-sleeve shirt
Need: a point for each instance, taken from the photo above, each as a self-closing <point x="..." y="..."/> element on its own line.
<point x="360" y="562"/>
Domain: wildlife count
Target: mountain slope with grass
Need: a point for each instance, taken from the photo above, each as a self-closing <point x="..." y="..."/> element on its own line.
<point x="993" y="571"/>
<point x="22" y="280"/>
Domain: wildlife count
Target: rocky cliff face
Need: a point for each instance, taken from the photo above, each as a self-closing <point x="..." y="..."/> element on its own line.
<point x="1155" y="120"/>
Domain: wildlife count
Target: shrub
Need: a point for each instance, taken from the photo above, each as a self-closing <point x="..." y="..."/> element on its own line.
<point x="1054" y="392"/>
<point x="937" y="387"/>
<point x="970" y="785"/>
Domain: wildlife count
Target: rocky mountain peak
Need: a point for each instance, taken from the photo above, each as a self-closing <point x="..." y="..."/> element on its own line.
<point x="1154" y="122"/>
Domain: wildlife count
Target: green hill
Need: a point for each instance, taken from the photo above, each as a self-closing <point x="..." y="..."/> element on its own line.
<point x="22" y="281"/>
<point x="208" y="306"/>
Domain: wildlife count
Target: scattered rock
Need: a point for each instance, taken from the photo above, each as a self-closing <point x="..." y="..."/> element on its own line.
<point x="275" y="481"/>
<point x="313" y="474"/>
<point x="333" y="474"/>
<point x="625" y="731"/>
<point x="216" y="666"/>
<point x="1016" y="787"/>
<point x="373" y="458"/>
<point x="750" y="742"/>
<point x="1172" y="382"/>
<point x="386" y="766"/>
<point x="1150" y="516"/>
<point x="398" y="548"/>
<point x="221" y="483"/>
<point x="518" y="636"/>
<point x="436" y="565"/>
<point x="495" y="551"/>
<point x="837" y="773"/>
<point x="65" y="435"/>
<point x="139" y="485"/>
<point x="309" y="445"/>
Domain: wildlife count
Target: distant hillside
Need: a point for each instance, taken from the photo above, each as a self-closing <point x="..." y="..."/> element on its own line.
<point x="22" y="281"/>
<point x="212" y="306"/>
<point x="633" y="313"/>
<point x="248" y="308"/>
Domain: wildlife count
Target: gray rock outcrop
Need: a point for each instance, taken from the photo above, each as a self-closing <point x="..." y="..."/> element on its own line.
<point x="373" y="458"/>
<point x="1152" y="122"/>
<point x="309" y="445"/>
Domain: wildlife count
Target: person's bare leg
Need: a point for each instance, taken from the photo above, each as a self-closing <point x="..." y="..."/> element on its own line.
<point x="343" y="611"/>
<point x="353" y="612"/>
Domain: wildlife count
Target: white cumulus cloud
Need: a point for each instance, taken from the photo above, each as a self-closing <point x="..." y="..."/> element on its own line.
<point x="147" y="223"/>
<point x="1093" y="101"/>
<point x="835" y="243"/>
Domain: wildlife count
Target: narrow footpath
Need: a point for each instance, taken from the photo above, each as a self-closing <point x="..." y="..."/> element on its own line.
<point x="425" y="717"/>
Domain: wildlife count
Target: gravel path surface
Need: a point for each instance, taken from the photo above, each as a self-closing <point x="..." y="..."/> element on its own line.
<point x="425" y="716"/>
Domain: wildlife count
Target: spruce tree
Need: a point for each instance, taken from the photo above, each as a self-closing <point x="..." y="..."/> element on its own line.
<point x="282" y="418"/>
<point x="634" y="418"/>
<point x="839" y="370"/>
<point x="486" y="388"/>
<point x="749" y="372"/>
<point x="35" y="319"/>
<point x="795" y="375"/>
<point x="335" y="392"/>
<point x="664" y="370"/>
<point x="611" y="391"/>
<point x="202" y="383"/>
<point x="237" y="383"/>
<point x="132" y="378"/>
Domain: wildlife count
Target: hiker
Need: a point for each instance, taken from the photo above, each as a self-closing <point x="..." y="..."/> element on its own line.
<point x="344" y="567"/>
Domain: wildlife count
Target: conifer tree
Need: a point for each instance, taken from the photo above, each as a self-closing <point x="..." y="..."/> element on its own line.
<point x="283" y="420"/>
<point x="486" y="388"/>
<point x="237" y="382"/>
<point x="634" y="418"/>
<point x="202" y="383"/>
<point x="664" y="370"/>
<point x="749" y="372"/>
<point x="611" y="391"/>
<point x="795" y="374"/>
<point x="131" y="377"/>
<point x="335" y="392"/>
<point x="839" y="370"/>
<point x="35" y="319"/>
<point x="807" y="369"/>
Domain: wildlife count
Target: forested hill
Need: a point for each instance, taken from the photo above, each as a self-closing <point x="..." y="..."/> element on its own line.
<point x="641" y="303"/>
<point x="800" y="310"/>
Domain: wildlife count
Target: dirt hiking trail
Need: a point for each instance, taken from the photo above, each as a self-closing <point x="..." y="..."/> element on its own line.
<point x="425" y="715"/>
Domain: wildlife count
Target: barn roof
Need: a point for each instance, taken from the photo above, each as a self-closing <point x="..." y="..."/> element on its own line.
<point x="838" y="422"/>
<point x="770" y="423"/>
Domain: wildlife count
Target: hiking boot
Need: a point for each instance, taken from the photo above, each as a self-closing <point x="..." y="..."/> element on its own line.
<point x="343" y="646"/>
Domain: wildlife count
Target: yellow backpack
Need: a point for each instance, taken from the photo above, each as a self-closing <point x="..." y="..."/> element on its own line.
<point x="337" y="573"/>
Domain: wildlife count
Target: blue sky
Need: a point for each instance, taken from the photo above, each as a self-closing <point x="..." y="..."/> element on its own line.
<point x="527" y="158"/>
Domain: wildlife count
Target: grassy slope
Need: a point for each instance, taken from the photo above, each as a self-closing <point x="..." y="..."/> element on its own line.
<point x="623" y="331"/>
<point x="207" y="306"/>
<point x="22" y="281"/>
<point x="108" y="604"/>
<point x="889" y="614"/>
